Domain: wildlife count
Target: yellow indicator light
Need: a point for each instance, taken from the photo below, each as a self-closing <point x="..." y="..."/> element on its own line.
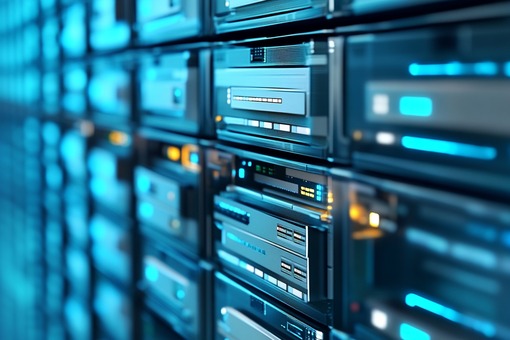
<point x="330" y="198"/>
<point x="358" y="214"/>
<point x="118" y="138"/>
<point x="357" y="135"/>
<point x="367" y="234"/>
<point x="173" y="153"/>
<point x="186" y="160"/>
<point x="373" y="220"/>
<point x="218" y="119"/>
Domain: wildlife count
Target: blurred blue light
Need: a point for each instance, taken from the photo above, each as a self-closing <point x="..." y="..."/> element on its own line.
<point x="408" y="332"/>
<point x="146" y="210"/>
<point x="454" y="68"/>
<point x="193" y="158"/>
<point x="98" y="187"/>
<point x="507" y="69"/>
<point x="51" y="133"/>
<point x="416" y="106"/>
<point x="113" y="37"/>
<point x="414" y="300"/>
<point x="486" y="68"/>
<point x="241" y="173"/>
<point x="143" y="183"/>
<point x="151" y="273"/>
<point x="177" y="92"/>
<point x="76" y="79"/>
<point x="449" y="148"/>
<point x="180" y="294"/>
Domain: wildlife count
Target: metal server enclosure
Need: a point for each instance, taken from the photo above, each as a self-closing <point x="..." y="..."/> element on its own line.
<point x="236" y="15"/>
<point x="278" y="97"/>
<point x="432" y="103"/>
<point x="273" y="229"/>
<point x="175" y="91"/>
<point x="413" y="255"/>
<point x="162" y="21"/>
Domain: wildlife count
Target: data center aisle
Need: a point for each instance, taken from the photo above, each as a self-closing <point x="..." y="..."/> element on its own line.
<point x="263" y="169"/>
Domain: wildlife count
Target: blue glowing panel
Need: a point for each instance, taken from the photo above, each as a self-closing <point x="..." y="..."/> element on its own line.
<point x="449" y="148"/>
<point x="241" y="173"/>
<point x="151" y="273"/>
<point x="416" y="106"/>
<point x="507" y="69"/>
<point x="408" y="332"/>
<point x="454" y="68"/>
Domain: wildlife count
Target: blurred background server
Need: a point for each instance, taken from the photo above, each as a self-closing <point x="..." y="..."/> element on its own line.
<point x="263" y="169"/>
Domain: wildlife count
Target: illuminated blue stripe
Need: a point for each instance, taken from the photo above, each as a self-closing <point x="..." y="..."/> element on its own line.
<point x="449" y="148"/>
<point x="236" y="210"/>
<point x="414" y="300"/>
<point x="408" y="332"/>
<point x="415" y="106"/>
<point x="241" y="173"/>
<point x="507" y="69"/>
<point x="485" y="68"/>
<point x="454" y="68"/>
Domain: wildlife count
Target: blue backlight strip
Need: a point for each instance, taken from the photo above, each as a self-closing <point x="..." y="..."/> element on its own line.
<point x="415" y="106"/>
<point x="408" y="332"/>
<point x="415" y="300"/>
<point x="235" y="210"/>
<point x="507" y="69"/>
<point x="454" y="68"/>
<point x="449" y="148"/>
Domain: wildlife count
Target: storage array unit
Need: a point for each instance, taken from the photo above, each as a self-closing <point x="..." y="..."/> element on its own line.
<point x="264" y="169"/>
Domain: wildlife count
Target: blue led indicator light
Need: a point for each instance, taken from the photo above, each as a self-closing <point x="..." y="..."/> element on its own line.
<point x="243" y="163"/>
<point x="193" y="158"/>
<point x="143" y="183"/>
<point x="507" y="69"/>
<point x="408" y="332"/>
<point x="416" y="106"/>
<point x="177" y="92"/>
<point x="151" y="273"/>
<point x="249" y="163"/>
<point x="180" y="294"/>
<point x="241" y="173"/>
<point x="146" y="210"/>
<point x="449" y="148"/>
